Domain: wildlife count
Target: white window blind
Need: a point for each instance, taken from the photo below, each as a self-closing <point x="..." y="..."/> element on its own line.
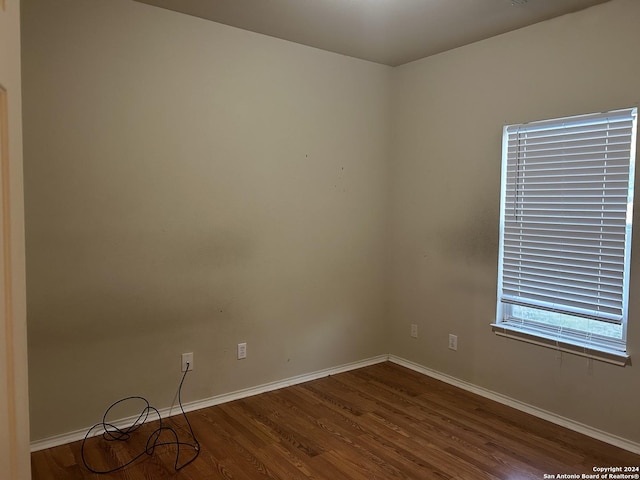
<point x="567" y="197"/>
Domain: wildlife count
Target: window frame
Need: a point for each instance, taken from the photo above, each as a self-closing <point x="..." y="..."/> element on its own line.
<point x="579" y="342"/>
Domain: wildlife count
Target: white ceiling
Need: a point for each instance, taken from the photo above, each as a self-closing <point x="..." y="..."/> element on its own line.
<point x="390" y="32"/>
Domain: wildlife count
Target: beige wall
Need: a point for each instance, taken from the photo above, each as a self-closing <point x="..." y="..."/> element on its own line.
<point x="448" y="113"/>
<point x="14" y="419"/>
<point x="190" y="186"/>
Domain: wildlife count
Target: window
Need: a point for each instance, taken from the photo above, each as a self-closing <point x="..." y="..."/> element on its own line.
<point x="565" y="233"/>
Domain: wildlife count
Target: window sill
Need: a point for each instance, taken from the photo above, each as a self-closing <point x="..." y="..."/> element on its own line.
<point x="596" y="352"/>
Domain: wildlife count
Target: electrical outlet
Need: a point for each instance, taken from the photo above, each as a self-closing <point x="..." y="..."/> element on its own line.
<point x="187" y="358"/>
<point x="453" y="342"/>
<point x="242" y="351"/>
<point x="414" y="330"/>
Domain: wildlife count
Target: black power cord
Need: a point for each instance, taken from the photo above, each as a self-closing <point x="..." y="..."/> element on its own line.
<point x="113" y="433"/>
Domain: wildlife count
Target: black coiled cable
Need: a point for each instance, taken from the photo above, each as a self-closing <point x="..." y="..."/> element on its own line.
<point x="114" y="433"/>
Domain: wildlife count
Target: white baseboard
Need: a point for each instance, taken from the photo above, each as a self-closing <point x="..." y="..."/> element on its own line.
<point x="267" y="387"/>
<point x="65" y="438"/>
<point x="524" y="407"/>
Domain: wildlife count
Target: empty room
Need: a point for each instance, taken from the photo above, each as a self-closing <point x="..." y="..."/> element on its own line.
<point x="295" y="239"/>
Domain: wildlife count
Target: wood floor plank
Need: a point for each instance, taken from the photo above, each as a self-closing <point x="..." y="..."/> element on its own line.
<point x="379" y="422"/>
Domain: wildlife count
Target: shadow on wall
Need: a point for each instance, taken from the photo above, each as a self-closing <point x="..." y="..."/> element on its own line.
<point x="140" y="286"/>
<point x="474" y="239"/>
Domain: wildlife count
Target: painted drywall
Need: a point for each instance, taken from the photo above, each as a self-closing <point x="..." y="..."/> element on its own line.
<point x="190" y="186"/>
<point x="14" y="414"/>
<point x="448" y="113"/>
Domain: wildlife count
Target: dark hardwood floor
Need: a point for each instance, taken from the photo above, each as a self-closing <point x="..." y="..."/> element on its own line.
<point x="378" y="422"/>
